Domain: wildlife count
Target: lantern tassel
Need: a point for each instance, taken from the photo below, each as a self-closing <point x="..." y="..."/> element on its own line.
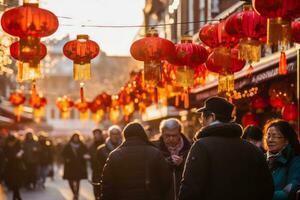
<point x="186" y="98"/>
<point x="282" y="70"/>
<point x="18" y="112"/>
<point x="81" y="92"/>
<point x="33" y="90"/>
<point x="82" y="71"/>
<point x="250" y="71"/>
<point x="176" y="100"/>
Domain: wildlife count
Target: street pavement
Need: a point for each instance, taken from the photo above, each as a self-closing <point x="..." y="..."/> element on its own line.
<point x="57" y="189"/>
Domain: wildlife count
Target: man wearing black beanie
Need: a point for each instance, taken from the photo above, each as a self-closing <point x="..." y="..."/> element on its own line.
<point x="136" y="170"/>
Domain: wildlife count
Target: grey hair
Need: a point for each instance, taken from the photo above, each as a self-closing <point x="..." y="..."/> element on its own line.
<point x="171" y="123"/>
<point x="111" y="128"/>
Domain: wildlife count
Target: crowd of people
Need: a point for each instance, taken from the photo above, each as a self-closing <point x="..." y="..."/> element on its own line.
<point x="222" y="161"/>
<point x="26" y="162"/>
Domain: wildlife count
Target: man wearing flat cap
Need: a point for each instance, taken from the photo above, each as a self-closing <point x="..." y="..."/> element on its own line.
<point x="221" y="165"/>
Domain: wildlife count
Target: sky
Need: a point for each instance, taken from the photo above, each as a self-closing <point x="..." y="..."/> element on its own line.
<point x="113" y="41"/>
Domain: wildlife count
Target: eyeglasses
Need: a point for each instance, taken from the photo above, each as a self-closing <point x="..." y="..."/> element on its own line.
<point x="275" y="137"/>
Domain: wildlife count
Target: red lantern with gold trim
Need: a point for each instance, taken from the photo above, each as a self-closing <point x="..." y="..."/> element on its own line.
<point x="152" y="50"/>
<point x="187" y="57"/>
<point x="29" y="20"/>
<point x="215" y="35"/>
<point x="225" y="62"/>
<point x="29" y="23"/>
<point x="290" y="112"/>
<point x="249" y="27"/>
<point x="38" y="103"/>
<point x="279" y="14"/>
<point x="82" y="107"/>
<point x="64" y="104"/>
<point x="29" y="62"/>
<point x="17" y="99"/>
<point x="81" y="51"/>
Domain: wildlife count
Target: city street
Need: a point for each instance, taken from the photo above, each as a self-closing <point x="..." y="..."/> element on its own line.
<point x="57" y="189"/>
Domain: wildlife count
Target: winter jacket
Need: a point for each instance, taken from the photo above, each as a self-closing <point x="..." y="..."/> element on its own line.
<point x="93" y="152"/>
<point x="31" y="152"/>
<point x="46" y="153"/>
<point x="220" y="165"/>
<point x="100" y="159"/>
<point x="74" y="162"/>
<point x="14" y="166"/>
<point x="176" y="171"/>
<point x="286" y="175"/>
<point x="136" y="170"/>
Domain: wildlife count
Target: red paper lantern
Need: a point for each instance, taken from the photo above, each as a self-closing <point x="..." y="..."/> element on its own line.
<point x="29" y="23"/>
<point x="187" y="57"/>
<point x="258" y="103"/>
<point x="290" y="112"/>
<point x="277" y="103"/>
<point x="28" y="56"/>
<point x="97" y="112"/>
<point x="152" y="50"/>
<point x="296" y="31"/>
<point x="249" y="119"/>
<point x="29" y="20"/>
<point x="215" y="35"/>
<point x="37" y="101"/>
<point x="279" y="13"/>
<point x="17" y="98"/>
<point x="64" y="104"/>
<point x="200" y="75"/>
<point x="82" y="107"/>
<point x="103" y="100"/>
<point x="29" y="61"/>
<point x="225" y="62"/>
<point x="249" y="27"/>
<point x="81" y="51"/>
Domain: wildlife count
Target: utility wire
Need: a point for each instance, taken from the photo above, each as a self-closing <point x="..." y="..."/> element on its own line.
<point x="141" y="26"/>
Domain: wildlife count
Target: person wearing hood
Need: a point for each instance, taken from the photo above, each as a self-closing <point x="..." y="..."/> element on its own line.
<point x="136" y="170"/>
<point x="175" y="147"/>
<point x="75" y="156"/>
<point x="113" y="141"/>
<point x="220" y="164"/>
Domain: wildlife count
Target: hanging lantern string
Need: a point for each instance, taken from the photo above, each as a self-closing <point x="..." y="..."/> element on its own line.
<point x="141" y="26"/>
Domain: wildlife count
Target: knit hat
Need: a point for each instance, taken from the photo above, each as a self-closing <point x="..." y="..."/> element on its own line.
<point x="135" y="129"/>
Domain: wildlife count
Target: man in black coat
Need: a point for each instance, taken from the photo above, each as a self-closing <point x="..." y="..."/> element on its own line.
<point x="136" y="170"/>
<point x="113" y="141"/>
<point x="175" y="147"/>
<point x="98" y="140"/>
<point x="220" y="165"/>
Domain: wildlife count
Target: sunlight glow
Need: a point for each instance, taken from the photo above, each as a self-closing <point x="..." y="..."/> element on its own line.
<point x="114" y="41"/>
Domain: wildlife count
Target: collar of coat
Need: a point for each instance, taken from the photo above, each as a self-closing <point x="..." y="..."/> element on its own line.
<point x="232" y="130"/>
<point x="135" y="141"/>
<point x="285" y="155"/>
<point x="186" y="145"/>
